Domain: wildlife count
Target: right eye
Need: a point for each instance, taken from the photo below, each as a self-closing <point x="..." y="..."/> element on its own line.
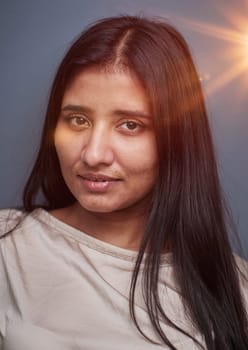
<point x="78" y="122"/>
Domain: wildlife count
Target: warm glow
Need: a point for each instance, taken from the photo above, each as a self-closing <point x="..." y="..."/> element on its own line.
<point x="234" y="56"/>
<point x="246" y="46"/>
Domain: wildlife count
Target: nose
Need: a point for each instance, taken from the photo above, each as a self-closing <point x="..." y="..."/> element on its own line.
<point x="98" y="148"/>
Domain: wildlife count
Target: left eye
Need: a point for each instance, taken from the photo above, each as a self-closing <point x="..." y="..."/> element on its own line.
<point x="130" y="125"/>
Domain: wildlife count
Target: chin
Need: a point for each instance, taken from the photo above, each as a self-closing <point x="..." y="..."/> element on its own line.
<point x="98" y="208"/>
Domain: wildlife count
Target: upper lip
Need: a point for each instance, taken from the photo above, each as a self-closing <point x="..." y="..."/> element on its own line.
<point x="98" y="177"/>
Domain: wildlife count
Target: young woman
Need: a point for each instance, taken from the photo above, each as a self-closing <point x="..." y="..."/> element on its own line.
<point x="128" y="249"/>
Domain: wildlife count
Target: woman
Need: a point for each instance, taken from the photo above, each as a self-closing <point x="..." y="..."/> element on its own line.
<point x="129" y="247"/>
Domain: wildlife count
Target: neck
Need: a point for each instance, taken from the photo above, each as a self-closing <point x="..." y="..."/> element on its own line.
<point x="121" y="228"/>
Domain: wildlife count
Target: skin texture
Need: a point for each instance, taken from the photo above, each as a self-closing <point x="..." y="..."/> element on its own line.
<point x="107" y="152"/>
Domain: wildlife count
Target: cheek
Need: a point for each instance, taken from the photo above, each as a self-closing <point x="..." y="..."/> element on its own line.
<point x="141" y="158"/>
<point x="68" y="150"/>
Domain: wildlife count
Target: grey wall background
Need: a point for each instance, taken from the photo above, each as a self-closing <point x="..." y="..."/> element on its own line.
<point x="35" y="34"/>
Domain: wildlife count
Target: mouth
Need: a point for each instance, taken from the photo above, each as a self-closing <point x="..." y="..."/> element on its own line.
<point x="98" y="178"/>
<point x="98" y="183"/>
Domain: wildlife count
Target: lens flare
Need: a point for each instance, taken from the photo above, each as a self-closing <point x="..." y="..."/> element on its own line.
<point x="232" y="51"/>
<point x="246" y="46"/>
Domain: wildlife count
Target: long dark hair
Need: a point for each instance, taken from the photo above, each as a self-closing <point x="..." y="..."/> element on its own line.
<point x="187" y="211"/>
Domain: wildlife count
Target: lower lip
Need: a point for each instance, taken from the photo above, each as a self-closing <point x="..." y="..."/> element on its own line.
<point x="98" y="186"/>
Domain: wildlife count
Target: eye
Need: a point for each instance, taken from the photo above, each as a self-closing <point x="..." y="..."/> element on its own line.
<point x="78" y="121"/>
<point x="130" y="125"/>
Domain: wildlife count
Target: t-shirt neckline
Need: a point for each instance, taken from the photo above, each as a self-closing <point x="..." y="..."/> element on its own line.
<point x="88" y="240"/>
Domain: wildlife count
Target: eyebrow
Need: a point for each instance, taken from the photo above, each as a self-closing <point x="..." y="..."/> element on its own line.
<point x="76" y="108"/>
<point x="117" y="112"/>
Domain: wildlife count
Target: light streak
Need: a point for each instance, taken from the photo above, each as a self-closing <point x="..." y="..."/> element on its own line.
<point x="233" y="55"/>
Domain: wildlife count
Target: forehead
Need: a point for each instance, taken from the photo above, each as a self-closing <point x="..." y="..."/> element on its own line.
<point x="105" y="87"/>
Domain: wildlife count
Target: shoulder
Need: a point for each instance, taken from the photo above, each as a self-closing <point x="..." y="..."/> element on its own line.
<point x="18" y="225"/>
<point x="9" y="219"/>
<point x="242" y="268"/>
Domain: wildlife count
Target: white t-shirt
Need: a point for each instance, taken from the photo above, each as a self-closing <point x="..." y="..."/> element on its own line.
<point x="63" y="289"/>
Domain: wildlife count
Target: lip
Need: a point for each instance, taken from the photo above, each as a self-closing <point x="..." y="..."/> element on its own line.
<point x="98" y="177"/>
<point x="98" y="183"/>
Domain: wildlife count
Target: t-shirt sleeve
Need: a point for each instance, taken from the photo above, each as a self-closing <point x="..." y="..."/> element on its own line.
<point x="9" y="219"/>
<point x="242" y="266"/>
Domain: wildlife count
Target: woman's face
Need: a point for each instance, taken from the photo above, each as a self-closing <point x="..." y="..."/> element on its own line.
<point x="105" y="142"/>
